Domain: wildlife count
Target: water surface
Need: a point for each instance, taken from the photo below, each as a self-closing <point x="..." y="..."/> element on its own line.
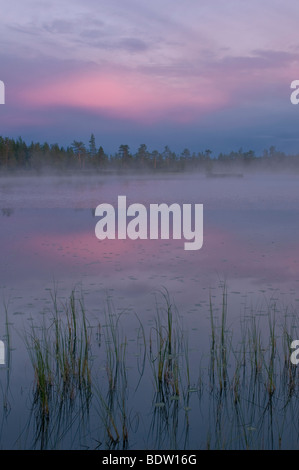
<point x="47" y="242"/>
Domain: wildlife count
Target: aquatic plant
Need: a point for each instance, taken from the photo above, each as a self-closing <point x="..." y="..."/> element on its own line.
<point x="243" y="395"/>
<point x="59" y="351"/>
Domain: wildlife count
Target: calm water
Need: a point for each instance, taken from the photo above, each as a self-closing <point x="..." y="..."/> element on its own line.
<point x="47" y="239"/>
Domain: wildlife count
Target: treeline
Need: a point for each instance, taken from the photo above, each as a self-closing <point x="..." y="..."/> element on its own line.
<point x="17" y="155"/>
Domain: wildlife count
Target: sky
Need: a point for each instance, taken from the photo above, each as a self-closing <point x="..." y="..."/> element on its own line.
<point x="196" y="74"/>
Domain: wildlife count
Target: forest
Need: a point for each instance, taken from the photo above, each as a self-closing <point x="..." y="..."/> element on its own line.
<point x="18" y="156"/>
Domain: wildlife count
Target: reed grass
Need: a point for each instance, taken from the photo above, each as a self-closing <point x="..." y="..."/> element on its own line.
<point x="166" y="349"/>
<point x="247" y="393"/>
<point x="59" y="351"/>
<point x="220" y="346"/>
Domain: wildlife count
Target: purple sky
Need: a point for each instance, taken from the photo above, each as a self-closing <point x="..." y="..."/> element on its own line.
<point x="197" y="74"/>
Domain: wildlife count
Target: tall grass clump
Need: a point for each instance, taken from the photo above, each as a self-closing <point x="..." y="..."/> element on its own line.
<point x="72" y="345"/>
<point x="112" y="390"/>
<point x="244" y="397"/>
<point x="171" y="377"/>
<point x="166" y="350"/>
<point x="7" y="366"/>
<point x="220" y="344"/>
<point x="59" y="351"/>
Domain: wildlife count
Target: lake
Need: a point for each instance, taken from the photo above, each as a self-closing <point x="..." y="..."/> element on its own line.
<point x="243" y="281"/>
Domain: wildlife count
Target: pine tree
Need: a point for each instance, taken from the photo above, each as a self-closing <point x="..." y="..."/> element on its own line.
<point x="92" y="146"/>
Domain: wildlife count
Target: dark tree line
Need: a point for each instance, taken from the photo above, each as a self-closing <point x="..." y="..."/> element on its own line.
<point x="17" y="155"/>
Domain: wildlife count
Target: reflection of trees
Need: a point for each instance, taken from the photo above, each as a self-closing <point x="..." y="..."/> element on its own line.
<point x="7" y="212"/>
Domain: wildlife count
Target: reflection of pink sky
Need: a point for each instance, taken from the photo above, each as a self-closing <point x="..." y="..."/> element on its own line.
<point x="223" y="254"/>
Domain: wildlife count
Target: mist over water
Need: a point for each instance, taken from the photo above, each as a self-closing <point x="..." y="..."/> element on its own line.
<point x="250" y="236"/>
<point x="47" y="241"/>
<point x="259" y="190"/>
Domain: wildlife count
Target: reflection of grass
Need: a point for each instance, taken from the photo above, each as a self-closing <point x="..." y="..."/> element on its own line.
<point x="245" y="393"/>
<point x="5" y="385"/>
<point x="112" y="399"/>
<point x="220" y="343"/>
<point x="166" y="351"/>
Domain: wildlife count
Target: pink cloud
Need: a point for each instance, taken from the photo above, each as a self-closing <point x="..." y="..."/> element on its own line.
<point x="126" y="94"/>
<point x="182" y="95"/>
